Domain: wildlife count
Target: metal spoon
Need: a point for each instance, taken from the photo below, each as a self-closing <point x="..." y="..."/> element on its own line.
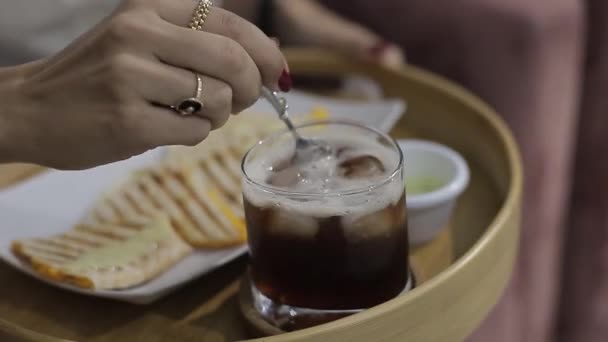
<point x="304" y="147"/>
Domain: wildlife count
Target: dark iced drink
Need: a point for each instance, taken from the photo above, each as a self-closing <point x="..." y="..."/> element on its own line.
<point x="329" y="232"/>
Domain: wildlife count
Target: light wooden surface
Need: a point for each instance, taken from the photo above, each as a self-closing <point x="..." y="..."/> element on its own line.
<point x="12" y="173"/>
<point x="447" y="307"/>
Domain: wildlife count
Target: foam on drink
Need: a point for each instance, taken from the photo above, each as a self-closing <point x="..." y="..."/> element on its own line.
<point x="357" y="163"/>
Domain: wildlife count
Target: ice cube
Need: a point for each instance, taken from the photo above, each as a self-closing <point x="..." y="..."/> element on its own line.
<point x="283" y="162"/>
<point x="360" y="166"/>
<point x="341" y="150"/>
<point x="289" y="223"/>
<point x="311" y="154"/>
<point x="373" y="225"/>
<point x="286" y="177"/>
<point x="283" y="172"/>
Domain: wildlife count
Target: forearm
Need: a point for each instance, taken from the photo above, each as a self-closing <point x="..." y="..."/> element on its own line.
<point x="11" y="80"/>
<point x="327" y="30"/>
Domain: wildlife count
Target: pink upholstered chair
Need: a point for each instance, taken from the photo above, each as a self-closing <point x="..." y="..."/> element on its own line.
<point x="584" y="305"/>
<point x="526" y="59"/>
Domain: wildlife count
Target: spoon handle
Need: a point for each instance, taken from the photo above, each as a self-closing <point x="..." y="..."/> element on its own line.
<point x="280" y="105"/>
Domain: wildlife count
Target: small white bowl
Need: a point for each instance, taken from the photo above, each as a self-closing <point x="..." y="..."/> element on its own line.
<point x="435" y="176"/>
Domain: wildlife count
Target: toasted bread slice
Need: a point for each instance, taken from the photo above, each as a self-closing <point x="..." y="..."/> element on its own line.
<point x="199" y="188"/>
<point x="108" y="256"/>
<point x="238" y="135"/>
<point x="203" y="201"/>
<point x="220" y="203"/>
<point x="209" y="204"/>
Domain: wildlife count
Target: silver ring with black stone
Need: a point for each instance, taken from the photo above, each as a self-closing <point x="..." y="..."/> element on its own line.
<point x="191" y="105"/>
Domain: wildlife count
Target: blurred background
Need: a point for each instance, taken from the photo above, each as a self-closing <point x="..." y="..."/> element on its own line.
<point x="543" y="64"/>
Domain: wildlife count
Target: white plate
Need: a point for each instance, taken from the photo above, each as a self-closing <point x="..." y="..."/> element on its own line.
<point x="54" y="201"/>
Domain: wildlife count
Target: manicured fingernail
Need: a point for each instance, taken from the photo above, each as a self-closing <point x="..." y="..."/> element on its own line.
<point x="285" y="82"/>
<point x="276" y="41"/>
<point x="378" y="49"/>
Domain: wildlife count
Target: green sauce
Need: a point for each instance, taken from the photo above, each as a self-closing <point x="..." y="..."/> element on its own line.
<point x="421" y="185"/>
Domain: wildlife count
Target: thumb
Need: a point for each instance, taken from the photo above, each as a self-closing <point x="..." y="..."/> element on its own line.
<point x="329" y="30"/>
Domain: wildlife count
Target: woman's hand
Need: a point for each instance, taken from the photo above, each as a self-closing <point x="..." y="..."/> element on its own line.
<point x="306" y="22"/>
<point x="105" y="97"/>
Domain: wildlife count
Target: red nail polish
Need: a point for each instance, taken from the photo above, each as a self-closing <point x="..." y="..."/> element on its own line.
<point x="379" y="48"/>
<point x="285" y="82"/>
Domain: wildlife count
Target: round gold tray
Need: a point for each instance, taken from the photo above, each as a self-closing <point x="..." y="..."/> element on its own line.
<point x="460" y="275"/>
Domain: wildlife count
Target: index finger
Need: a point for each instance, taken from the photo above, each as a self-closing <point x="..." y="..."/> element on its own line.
<point x="262" y="50"/>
